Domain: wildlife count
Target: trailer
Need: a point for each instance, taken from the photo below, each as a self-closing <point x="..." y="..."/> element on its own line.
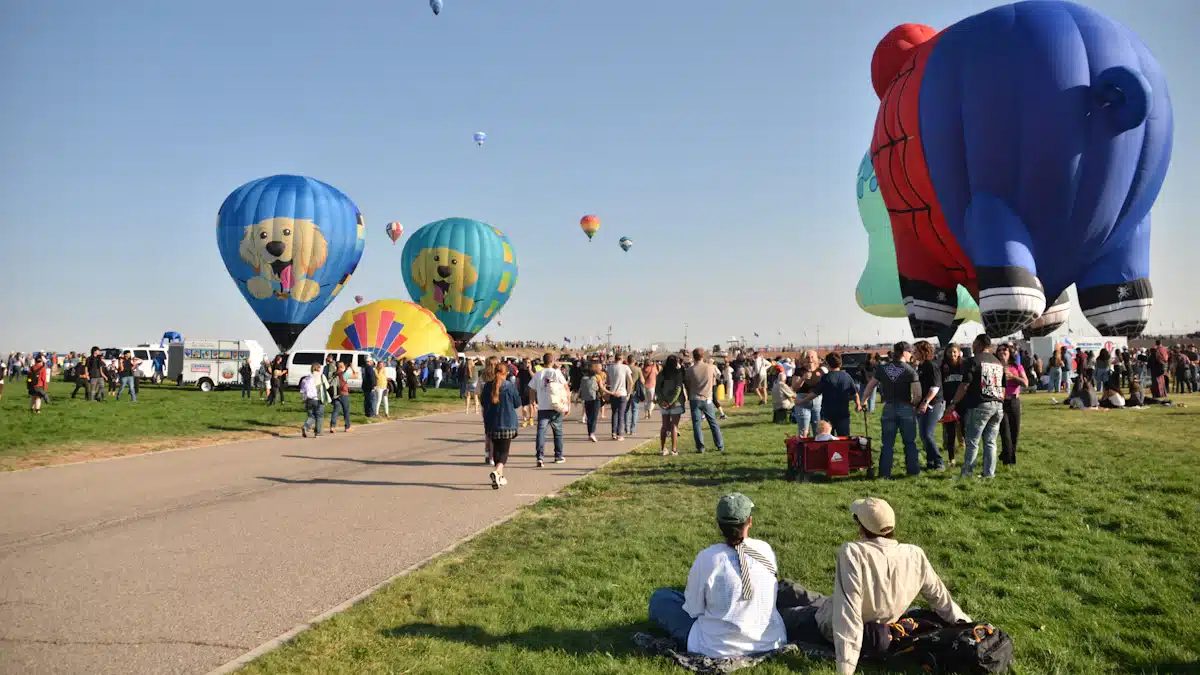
<point x="209" y="364"/>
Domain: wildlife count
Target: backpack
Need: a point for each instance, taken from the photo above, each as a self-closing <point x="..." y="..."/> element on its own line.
<point x="972" y="648"/>
<point x="560" y="397"/>
<point x="308" y="388"/>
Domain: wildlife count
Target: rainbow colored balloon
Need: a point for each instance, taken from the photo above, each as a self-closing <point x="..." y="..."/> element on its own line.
<point x="590" y="226"/>
<point x="391" y="329"/>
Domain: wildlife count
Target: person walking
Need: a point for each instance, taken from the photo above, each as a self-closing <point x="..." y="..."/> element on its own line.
<point x="900" y="387"/>
<point x="246" y="373"/>
<point x="554" y="401"/>
<point x="620" y="382"/>
<point x="932" y="406"/>
<point x="37" y="378"/>
<point x="650" y="371"/>
<point x="500" y="401"/>
<point x="637" y="394"/>
<point x="126" y="367"/>
<point x="341" y="402"/>
<point x="470" y="381"/>
<point x="590" y="386"/>
<point x="314" y="394"/>
<point x="95" y="372"/>
<point x="79" y="370"/>
<point x="982" y="395"/>
<point x="699" y="379"/>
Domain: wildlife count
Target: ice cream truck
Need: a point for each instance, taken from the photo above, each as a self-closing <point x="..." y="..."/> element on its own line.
<point x="209" y="364"/>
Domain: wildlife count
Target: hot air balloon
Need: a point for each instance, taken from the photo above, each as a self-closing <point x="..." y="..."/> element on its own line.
<point x="358" y="299"/>
<point x="499" y="322"/>
<point x="290" y="243"/>
<point x="1017" y="202"/>
<point x="436" y="6"/>
<point x="394" y="230"/>
<point x="391" y="329"/>
<point x="480" y="137"/>
<point x="463" y="271"/>
<point x="878" y="291"/>
<point x="590" y="225"/>
<point x="626" y="243"/>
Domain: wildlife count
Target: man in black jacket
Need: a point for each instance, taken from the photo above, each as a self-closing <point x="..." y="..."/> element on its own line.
<point x="95" y="373"/>
<point x="370" y="405"/>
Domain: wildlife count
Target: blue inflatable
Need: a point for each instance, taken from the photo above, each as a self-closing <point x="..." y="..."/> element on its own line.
<point x="1019" y="152"/>
<point x="290" y="243"/>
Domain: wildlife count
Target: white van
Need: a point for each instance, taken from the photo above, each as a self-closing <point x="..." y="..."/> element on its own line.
<point x="300" y="364"/>
<point x="209" y="364"/>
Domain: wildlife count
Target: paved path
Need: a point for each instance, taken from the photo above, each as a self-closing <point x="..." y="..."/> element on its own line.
<point x="180" y="561"/>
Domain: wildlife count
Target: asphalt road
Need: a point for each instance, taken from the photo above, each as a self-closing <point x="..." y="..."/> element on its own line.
<point x="178" y="562"/>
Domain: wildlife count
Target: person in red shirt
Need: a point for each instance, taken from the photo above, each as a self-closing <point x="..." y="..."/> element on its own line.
<point x="38" y="377"/>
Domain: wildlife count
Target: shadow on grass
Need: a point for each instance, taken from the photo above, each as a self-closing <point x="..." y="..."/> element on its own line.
<point x="614" y="640"/>
<point x="376" y="483"/>
<point x="700" y="475"/>
<point x="385" y="462"/>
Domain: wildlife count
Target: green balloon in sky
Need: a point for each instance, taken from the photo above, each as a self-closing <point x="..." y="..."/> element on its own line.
<point x="878" y="291"/>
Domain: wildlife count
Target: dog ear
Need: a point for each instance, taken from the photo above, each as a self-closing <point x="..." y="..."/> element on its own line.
<point x="418" y="269"/>
<point x="470" y="275"/>
<point x="247" y="250"/>
<point x="316" y="250"/>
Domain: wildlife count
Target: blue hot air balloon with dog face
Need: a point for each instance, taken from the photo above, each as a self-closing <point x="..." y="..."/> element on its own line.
<point x="463" y="271"/>
<point x="290" y="243"/>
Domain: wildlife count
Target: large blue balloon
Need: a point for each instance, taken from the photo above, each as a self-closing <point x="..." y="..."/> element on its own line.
<point x="463" y="271"/>
<point x="436" y="6"/>
<point x="290" y="243"/>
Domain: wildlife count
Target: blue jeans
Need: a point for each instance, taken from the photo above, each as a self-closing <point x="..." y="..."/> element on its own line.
<point x="631" y="416"/>
<point x="666" y="610"/>
<point x="983" y="423"/>
<point x="316" y="415"/>
<point x="618" y="415"/>
<point x="591" y="411"/>
<point x="814" y="415"/>
<point x="370" y="403"/>
<point x="1055" y="375"/>
<point x="705" y="409"/>
<point x="899" y="417"/>
<point x="928" y="426"/>
<point x="804" y="420"/>
<point x="554" y="419"/>
<point x="131" y="382"/>
<point x="340" y="403"/>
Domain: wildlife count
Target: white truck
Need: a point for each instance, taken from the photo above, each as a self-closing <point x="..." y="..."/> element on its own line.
<point x="300" y="363"/>
<point x="209" y="364"/>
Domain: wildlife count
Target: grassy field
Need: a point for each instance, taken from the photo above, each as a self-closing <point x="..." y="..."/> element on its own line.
<point x="164" y="417"/>
<point x="1087" y="552"/>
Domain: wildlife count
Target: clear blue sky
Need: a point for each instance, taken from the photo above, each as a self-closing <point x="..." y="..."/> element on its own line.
<point x="723" y="136"/>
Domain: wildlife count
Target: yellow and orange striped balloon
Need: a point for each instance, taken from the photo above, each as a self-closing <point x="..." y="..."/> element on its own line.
<point x="590" y="225"/>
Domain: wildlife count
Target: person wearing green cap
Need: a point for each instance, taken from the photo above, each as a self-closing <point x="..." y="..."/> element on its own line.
<point x="728" y="607"/>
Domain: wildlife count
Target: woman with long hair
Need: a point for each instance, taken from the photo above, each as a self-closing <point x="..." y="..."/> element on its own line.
<point x="672" y="396"/>
<point x="500" y="402"/>
<point x="952" y="377"/>
<point x="589" y="392"/>
<point x="1010" y="424"/>
<point x="492" y="368"/>
<point x="381" y="389"/>
<point x="931" y="406"/>
<point x="470" y="375"/>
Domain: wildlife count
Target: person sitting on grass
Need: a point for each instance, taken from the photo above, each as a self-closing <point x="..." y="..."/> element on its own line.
<point x="1084" y="396"/>
<point x="1112" y="397"/>
<point x="825" y="431"/>
<point x="728" y="608"/>
<point x="783" y="397"/>
<point x="876" y="581"/>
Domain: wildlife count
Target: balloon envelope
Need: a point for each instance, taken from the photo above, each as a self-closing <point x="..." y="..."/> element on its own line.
<point x="358" y="299"/>
<point x="436" y="6"/>
<point x="590" y="225"/>
<point x="878" y="291"/>
<point x="480" y="137"/>
<point x="394" y="230"/>
<point x="626" y="243"/>
<point x="462" y="270"/>
<point x="391" y="329"/>
<point x="290" y="243"/>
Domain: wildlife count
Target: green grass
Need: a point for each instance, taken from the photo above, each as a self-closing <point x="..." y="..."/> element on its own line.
<point x="164" y="416"/>
<point x="1087" y="553"/>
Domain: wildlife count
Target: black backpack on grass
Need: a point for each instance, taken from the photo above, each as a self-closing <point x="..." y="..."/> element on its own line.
<point x="971" y="648"/>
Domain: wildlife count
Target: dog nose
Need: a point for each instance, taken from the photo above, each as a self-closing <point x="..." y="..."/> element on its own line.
<point x="275" y="248"/>
<point x="443" y="271"/>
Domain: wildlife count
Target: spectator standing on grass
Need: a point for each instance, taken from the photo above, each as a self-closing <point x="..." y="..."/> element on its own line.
<point x="900" y="387"/>
<point x="952" y="377"/>
<point x="543" y="384"/>
<point x="982" y="396"/>
<point x="811" y="363"/>
<point x="500" y="401"/>
<point x="314" y="394"/>
<point x="837" y="389"/>
<point x="341" y="402"/>
<point x="127" y="366"/>
<point x="620" y="383"/>
<point x="437" y="374"/>
<point x="932" y="405"/>
<point x="671" y="393"/>
<point x="410" y="379"/>
<point x="1010" y="424"/>
<point x="37" y="378"/>
<point x="739" y="382"/>
<point x="700" y="379"/>
<point x="247" y="375"/>
<point x="81" y="378"/>
<point x="381" y="390"/>
<point x="1054" y="371"/>
<point x="368" y="388"/>
<point x="95" y="375"/>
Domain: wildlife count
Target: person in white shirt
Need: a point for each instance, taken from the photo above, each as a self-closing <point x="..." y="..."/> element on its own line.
<point x="876" y="581"/>
<point x="620" y="385"/>
<point x="547" y="415"/>
<point x="728" y="608"/>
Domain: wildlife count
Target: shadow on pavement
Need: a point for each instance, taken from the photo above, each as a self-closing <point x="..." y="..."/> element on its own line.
<point x="343" y="481"/>
<point x="387" y="462"/>
<point x="265" y="432"/>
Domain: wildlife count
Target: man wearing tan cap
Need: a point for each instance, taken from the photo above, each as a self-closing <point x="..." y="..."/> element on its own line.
<point x="875" y="582"/>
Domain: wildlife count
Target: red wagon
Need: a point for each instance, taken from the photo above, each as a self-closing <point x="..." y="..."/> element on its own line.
<point x="833" y="458"/>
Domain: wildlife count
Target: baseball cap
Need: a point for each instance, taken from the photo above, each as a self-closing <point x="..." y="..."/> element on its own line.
<point x="734" y="509"/>
<point x="875" y="515"/>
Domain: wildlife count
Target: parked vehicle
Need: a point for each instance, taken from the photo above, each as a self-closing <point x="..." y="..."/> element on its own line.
<point x="209" y="364"/>
<point x="300" y="364"/>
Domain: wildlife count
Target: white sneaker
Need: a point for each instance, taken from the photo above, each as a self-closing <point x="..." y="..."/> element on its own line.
<point x="560" y="460"/>
<point x="503" y="481"/>
<point x="495" y="480"/>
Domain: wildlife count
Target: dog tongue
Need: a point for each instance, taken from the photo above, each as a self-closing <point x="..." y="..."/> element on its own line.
<point x="285" y="278"/>
<point x="439" y="293"/>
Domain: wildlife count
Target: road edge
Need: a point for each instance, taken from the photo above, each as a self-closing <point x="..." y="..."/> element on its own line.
<point x="286" y="637"/>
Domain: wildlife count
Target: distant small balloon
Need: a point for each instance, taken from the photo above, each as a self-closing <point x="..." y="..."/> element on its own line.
<point x="436" y="6"/>
<point x="499" y="322"/>
<point x="358" y="299"/>
<point x="590" y="225"/>
<point x="394" y="230"/>
<point x="480" y="137"/>
<point x="626" y="243"/>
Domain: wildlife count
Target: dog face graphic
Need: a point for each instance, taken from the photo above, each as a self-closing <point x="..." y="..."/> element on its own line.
<point x="285" y="251"/>
<point x="443" y="275"/>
